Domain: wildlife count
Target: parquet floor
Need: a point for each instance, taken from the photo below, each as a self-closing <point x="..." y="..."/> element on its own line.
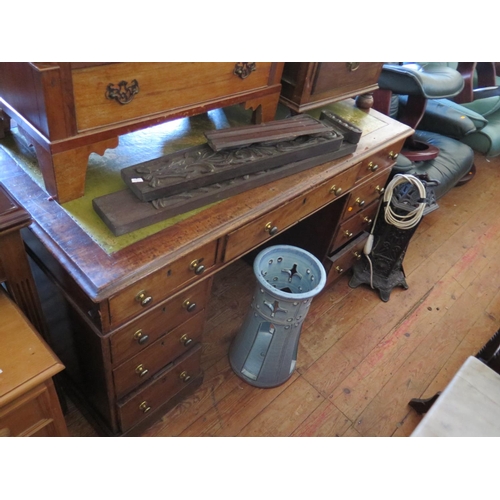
<point x="360" y="360"/>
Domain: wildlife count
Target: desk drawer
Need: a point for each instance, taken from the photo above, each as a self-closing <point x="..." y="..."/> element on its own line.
<point x="365" y="194"/>
<point x="340" y="262"/>
<point x="140" y="333"/>
<point x="149" y="291"/>
<point x="159" y="87"/>
<point x="160" y="389"/>
<point x="379" y="161"/>
<point x="253" y="234"/>
<point x="147" y="363"/>
<point x="362" y="221"/>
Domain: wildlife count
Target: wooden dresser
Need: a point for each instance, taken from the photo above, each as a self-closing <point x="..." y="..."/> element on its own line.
<point x="28" y="401"/>
<point x="307" y="85"/>
<point x="70" y="110"/>
<point x="128" y="325"/>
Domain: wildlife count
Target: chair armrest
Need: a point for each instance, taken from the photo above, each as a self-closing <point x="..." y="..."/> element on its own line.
<point x="479" y="81"/>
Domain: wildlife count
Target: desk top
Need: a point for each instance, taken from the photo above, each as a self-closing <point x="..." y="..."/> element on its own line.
<point x="102" y="271"/>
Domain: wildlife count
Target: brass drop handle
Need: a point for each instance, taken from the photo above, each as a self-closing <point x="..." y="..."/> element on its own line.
<point x="141" y="371"/>
<point x="339" y="270"/>
<point x="352" y="66"/>
<point x="189" y="306"/>
<point x="196" y="266"/>
<point x="144" y="407"/>
<point x="140" y="337"/>
<point x="347" y="233"/>
<point x="372" y="167"/>
<point x="269" y="228"/>
<point x="186" y="340"/>
<point x="359" y="202"/>
<point x="393" y="155"/>
<point x="143" y="298"/>
<point x="367" y="220"/>
<point x="380" y="189"/>
<point x="357" y="255"/>
<point x="335" y="190"/>
<point x="185" y="377"/>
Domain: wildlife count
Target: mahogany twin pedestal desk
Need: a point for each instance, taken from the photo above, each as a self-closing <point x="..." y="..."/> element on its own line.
<point x="128" y="325"/>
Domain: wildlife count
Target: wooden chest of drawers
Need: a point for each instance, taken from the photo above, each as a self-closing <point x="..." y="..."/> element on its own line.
<point x="309" y="85"/>
<point x="128" y="325"/>
<point x="28" y="400"/>
<point x="69" y="110"/>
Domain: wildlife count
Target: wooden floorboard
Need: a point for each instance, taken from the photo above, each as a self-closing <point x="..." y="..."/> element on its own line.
<point x="360" y="360"/>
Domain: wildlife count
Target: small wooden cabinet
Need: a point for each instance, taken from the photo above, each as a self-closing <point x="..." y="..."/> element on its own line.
<point x="70" y="110"/>
<point x="309" y="85"/>
<point x="28" y="401"/>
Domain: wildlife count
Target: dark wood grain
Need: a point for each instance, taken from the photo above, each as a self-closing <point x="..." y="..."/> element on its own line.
<point x="122" y="212"/>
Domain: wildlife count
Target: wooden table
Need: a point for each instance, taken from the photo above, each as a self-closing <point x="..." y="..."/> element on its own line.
<point x="469" y="406"/>
<point x="128" y="325"/>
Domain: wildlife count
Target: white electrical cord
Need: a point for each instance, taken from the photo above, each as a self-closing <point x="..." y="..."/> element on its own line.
<point x="412" y="218"/>
<point x="400" y="221"/>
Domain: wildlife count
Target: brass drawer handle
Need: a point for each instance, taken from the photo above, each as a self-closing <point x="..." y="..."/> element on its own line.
<point x="393" y="155"/>
<point x="197" y="267"/>
<point x="357" y="255"/>
<point x="335" y="190"/>
<point x="188" y="305"/>
<point x="140" y="337"/>
<point x="352" y="66"/>
<point x="185" y="377"/>
<point x="339" y="270"/>
<point x="367" y="220"/>
<point x="269" y="228"/>
<point x="122" y="93"/>
<point x="186" y="340"/>
<point x="359" y="202"/>
<point x="144" y="407"/>
<point x="347" y="234"/>
<point x="372" y="167"/>
<point x="141" y="371"/>
<point x="244" y="69"/>
<point x="380" y="189"/>
<point x="143" y="298"/>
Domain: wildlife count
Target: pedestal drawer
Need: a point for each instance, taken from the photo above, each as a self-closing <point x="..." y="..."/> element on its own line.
<point x="112" y="93"/>
<point x="163" y="387"/>
<point x="147" y="363"/>
<point x="362" y="221"/>
<point x="365" y="194"/>
<point x="379" y="161"/>
<point x="340" y="262"/>
<point x="140" y="333"/>
<point x="149" y="291"/>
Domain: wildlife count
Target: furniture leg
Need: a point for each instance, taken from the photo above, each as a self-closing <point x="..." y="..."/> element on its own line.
<point x="264" y="108"/>
<point x="4" y="123"/>
<point x="422" y="406"/>
<point x="64" y="173"/>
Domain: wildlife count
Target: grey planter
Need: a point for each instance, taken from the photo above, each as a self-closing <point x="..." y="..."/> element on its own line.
<point x="264" y="351"/>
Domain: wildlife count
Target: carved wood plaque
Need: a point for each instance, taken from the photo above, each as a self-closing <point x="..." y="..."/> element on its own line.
<point x="123" y="212"/>
<point x="202" y="166"/>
